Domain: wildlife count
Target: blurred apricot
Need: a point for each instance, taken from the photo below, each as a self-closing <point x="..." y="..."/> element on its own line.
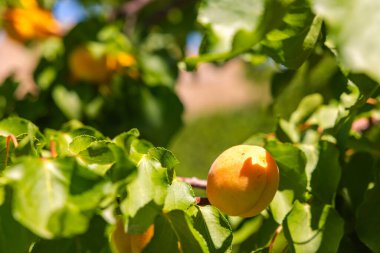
<point x="120" y="60"/>
<point x="86" y="66"/>
<point x="29" y="22"/>
<point x="123" y="242"/>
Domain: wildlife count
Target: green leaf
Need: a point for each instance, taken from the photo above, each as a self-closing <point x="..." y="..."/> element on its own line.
<point x="319" y="74"/>
<point x="73" y="131"/>
<point x="292" y="43"/>
<point x="17" y="126"/>
<point x="81" y="142"/>
<point x="246" y="228"/>
<point x="156" y="69"/>
<point x="225" y="18"/>
<point x="306" y="107"/>
<point x="160" y="114"/>
<point x="260" y="231"/>
<point x="191" y="240"/>
<point x="164" y="156"/>
<point x="146" y="195"/>
<point x="353" y="38"/>
<point x="164" y="237"/>
<point x="316" y="228"/>
<point x="366" y="85"/>
<point x="133" y="147"/>
<point x="123" y="168"/>
<point x="68" y="102"/>
<point x="40" y="189"/>
<point x="326" y="117"/>
<point x="87" y="189"/>
<point x="355" y="179"/>
<point x="287" y="131"/>
<point x="326" y="175"/>
<point x="180" y="197"/>
<point x="2" y="194"/>
<point x="281" y="204"/>
<point x="311" y="152"/>
<point x="28" y="135"/>
<point x="368" y="219"/>
<point x="94" y="240"/>
<point x="14" y="238"/>
<point x="125" y="140"/>
<point x="3" y="152"/>
<point x="75" y="128"/>
<point x="291" y="162"/>
<point x="97" y="156"/>
<point x="280" y="244"/>
<point x="215" y="228"/>
<point x="47" y="198"/>
<point x="236" y="27"/>
<point x="261" y="250"/>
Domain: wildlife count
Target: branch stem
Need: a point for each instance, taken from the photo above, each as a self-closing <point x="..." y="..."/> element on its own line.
<point x="194" y="182"/>
<point x="202" y="201"/>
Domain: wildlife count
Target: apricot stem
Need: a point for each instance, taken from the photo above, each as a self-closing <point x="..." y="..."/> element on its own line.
<point x="8" y="142"/>
<point x="202" y="201"/>
<point x="53" y="150"/>
<point x="194" y="182"/>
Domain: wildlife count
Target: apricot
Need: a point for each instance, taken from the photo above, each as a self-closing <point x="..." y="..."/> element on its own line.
<point x="242" y="181"/>
<point x="30" y="22"/>
<point x="87" y="67"/>
<point x="130" y="243"/>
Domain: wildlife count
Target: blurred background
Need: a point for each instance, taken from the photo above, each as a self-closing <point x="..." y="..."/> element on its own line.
<point x="219" y="106"/>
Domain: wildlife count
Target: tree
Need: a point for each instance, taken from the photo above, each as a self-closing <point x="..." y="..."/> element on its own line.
<point x="68" y="190"/>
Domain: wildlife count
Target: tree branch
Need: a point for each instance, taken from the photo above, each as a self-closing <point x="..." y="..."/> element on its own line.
<point x="194" y="182"/>
<point x="202" y="201"/>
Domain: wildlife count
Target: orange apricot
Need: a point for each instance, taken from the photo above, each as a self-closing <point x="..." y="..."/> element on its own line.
<point x="87" y="67"/>
<point x="243" y="180"/>
<point x="123" y="242"/>
<point x="30" y="22"/>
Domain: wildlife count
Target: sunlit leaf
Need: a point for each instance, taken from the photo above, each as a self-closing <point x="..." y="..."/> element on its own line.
<point x="190" y="239"/>
<point x="215" y="229"/>
<point x="292" y="43"/>
<point x="46" y="200"/>
<point x="353" y="38"/>
<point x="315" y="228"/>
<point x="180" y="197"/>
<point x="236" y="27"/>
<point x="146" y="195"/>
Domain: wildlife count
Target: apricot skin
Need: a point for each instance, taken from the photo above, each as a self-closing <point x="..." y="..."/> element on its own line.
<point x="242" y="181"/>
<point x="130" y="243"/>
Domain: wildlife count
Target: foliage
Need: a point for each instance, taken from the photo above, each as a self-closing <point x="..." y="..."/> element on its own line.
<point x="65" y="190"/>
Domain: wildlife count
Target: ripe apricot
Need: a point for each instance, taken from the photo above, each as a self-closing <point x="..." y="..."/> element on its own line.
<point x="130" y="243"/>
<point x="87" y="67"/>
<point x="242" y="181"/>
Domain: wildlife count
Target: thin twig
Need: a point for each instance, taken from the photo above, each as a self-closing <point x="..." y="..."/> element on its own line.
<point x="278" y="230"/>
<point x="194" y="182"/>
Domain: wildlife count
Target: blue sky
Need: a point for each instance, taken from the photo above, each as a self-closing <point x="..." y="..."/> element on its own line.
<point x="69" y="11"/>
